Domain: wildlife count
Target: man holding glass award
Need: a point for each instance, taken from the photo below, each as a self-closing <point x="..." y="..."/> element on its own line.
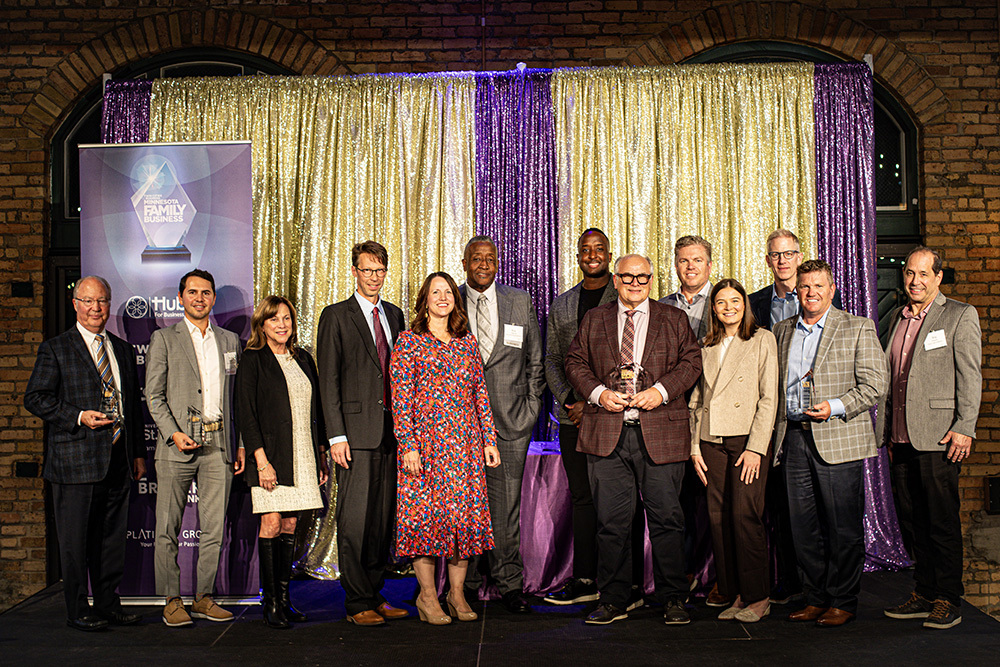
<point x="633" y="360"/>
<point x="189" y="372"/>
<point x="84" y="386"/>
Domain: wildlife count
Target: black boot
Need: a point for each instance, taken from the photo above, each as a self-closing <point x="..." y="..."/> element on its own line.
<point x="268" y="553"/>
<point x="283" y="574"/>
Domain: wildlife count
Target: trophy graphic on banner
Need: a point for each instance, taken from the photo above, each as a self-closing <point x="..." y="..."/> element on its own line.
<point x="164" y="210"/>
<point x="627" y="380"/>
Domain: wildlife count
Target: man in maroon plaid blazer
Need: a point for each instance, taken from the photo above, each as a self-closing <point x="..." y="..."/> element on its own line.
<point x="640" y="441"/>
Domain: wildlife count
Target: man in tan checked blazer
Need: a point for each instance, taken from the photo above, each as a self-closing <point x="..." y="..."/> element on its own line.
<point x="831" y="372"/>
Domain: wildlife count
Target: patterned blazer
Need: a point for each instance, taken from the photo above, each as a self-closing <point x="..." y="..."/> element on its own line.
<point x="65" y="382"/>
<point x="562" y="328"/>
<point x="515" y="378"/>
<point x="849" y="365"/>
<point x="945" y="384"/>
<point x="671" y="356"/>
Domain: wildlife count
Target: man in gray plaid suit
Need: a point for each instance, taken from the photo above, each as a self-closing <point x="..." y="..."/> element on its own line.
<point x="833" y="372"/>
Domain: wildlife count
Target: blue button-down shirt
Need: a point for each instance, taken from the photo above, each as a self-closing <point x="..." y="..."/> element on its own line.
<point x="783" y="308"/>
<point x="801" y="357"/>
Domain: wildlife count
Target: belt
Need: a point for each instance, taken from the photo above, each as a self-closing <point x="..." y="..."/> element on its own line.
<point x="794" y="425"/>
<point x="631" y="423"/>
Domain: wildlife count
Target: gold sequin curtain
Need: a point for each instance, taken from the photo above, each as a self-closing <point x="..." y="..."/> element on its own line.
<point x="649" y="155"/>
<point x="336" y="161"/>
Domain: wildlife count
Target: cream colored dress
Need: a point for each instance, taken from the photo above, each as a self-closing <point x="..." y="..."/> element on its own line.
<point x="305" y="494"/>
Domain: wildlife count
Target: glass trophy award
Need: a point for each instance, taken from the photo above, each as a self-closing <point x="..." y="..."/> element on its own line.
<point x="627" y="380"/>
<point x="195" y="425"/>
<point x="109" y="402"/>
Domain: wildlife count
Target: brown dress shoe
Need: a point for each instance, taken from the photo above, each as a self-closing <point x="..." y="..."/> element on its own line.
<point x="810" y="613"/>
<point x="366" y="618"/>
<point x="717" y="599"/>
<point x="390" y="613"/>
<point x="834" y="618"/>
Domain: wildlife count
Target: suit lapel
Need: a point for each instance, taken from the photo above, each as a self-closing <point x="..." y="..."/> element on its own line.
<point x="829" y="332"/>
<point x="611" y="334"/>
<point x="184" y="337"/>
<point x="652" y="334"/>
<point x="931" y="321"/>
<point x="358" y="317"/>
<point x="503" y="315"/>
<point x="80" y="347"/>
<point x="734" y="357"/>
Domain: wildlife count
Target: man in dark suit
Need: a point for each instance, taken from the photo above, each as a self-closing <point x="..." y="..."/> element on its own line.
<point x="638" y="439"/>
<point x="510" y="342"/>
<point x="84" y="386"/>
<point x="770" y="305"/>
<point x="353" y="345"/>
<point x="832" y="372"/>
<point x="929" y="419"/>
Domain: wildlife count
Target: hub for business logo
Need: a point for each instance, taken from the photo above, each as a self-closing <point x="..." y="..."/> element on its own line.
<point x="137" y="307"/>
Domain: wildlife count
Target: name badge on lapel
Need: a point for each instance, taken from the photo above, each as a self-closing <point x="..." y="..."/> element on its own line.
<point x="934" y="340"/>
<point x="229" y="358"/>
<point x="513" y="335"/>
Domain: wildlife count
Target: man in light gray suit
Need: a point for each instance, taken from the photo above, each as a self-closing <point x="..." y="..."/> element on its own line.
<point x="510" y="342"/>
<point x="832" y="372"/>
<point x="929" y="419"/>
<point x="189" y="373"/>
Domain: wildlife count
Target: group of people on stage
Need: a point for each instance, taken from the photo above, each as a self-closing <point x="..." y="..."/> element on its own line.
<point x="761" y="400"/>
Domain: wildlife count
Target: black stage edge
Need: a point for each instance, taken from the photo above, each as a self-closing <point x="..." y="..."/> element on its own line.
<point x="34" y="633"/>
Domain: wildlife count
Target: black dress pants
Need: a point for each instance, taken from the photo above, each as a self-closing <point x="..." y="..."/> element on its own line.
<point x="91" y="523"/>
<point x="928" y="498"/>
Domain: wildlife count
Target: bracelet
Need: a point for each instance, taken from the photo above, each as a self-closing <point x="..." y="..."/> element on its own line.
<point x="263" y="467"/>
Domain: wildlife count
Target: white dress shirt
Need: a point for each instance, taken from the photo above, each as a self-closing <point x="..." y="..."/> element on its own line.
<point x="90" y="340"/>
<point x="206" y="351"/>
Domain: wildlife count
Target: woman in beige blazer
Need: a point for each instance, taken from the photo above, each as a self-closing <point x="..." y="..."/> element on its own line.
<point x="732" y="414"/>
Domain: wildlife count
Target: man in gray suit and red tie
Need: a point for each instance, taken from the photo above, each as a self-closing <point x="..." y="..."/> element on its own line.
<point x="190" y="370"/>
<point x="353" y="345"/>
<point x="510" y="342"/>
<point x="832" y="372"/>
<point x="929" y="419"/>
<point x="635" y="437"/>
<point x="84" y="386"/>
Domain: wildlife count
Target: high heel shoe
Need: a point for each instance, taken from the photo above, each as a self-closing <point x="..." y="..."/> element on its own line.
<point x="432" y="619"/>
<point x="461" y="615"/>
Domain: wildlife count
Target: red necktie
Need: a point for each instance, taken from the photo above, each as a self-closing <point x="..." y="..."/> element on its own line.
<point x="382" y="346"/>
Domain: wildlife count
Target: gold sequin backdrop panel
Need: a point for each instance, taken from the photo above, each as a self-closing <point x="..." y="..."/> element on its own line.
<point x="724" y="151"/>
<point x="337" y="160"/>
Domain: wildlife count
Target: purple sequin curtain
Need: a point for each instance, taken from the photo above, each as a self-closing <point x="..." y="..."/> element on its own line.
<point x="515" y="179"/>
<point x="125" y="113"/>
<point x="845" y="211"/>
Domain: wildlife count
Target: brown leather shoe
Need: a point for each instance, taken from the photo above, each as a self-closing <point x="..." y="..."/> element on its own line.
<point x="810" y="613"/>
<point x="390" y="613"/>
<point x="717" y="599"/>
<point x="834" y="618"/>
<point x="367" y="618"/>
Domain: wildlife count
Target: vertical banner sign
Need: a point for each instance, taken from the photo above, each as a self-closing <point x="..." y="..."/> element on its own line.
<point x="149" y="214"/>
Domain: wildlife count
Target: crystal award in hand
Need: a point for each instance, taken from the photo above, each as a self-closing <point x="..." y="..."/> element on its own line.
<point x="195" y="425"/>
<point x="109" y="402"/>
<point x="627" y="380"/>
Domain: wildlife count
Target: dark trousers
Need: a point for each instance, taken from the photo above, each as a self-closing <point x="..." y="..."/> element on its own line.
<point x="826" y="510"/>
<point x="736" y="514"/>
<point x="927" y="494"/>
<point x="614" y="480"/>
<point x="91" y="522"/>
<point x="786" y="576"/>
<point x="366" y="510"/>
<point x="585" y="516"/>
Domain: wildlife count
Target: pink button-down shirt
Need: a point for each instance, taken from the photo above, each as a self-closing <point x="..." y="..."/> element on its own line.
<point x="900" y="355"/>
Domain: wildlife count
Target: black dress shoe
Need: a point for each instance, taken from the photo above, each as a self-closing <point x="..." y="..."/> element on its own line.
<point x="121" y="618"/>
<point x="515" y="603"/>
<point x="574" y="592"/>
<point x="87" y="623"/>
<point x="674" y="612"/>
<point x="605" y="614"/>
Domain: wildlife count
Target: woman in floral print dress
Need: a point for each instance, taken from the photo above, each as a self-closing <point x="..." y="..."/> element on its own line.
<point x="445" y="432"/>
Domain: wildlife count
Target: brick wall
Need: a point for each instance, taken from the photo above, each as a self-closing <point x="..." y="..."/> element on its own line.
<point x="941" y="59"/>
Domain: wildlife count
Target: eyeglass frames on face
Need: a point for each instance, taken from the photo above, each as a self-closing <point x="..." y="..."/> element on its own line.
<point x="367" y="273"/>
<point x="639" y="278"/>
<point x="101" y="303"/>
<point x="787" y="254"/>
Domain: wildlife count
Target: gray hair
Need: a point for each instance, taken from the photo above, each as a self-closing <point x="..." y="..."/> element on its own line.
<point x="782" y="234"/>
<point x="634" y="254"/>
<point x="102" y="281"/>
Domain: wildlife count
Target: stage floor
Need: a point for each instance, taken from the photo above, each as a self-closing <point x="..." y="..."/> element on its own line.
<point x="34" y="633"/>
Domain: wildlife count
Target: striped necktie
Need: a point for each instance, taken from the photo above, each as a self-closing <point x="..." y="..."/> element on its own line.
<point x="108" y="380"/>
<point x="484" y="327"/>
<point x="628" y="344"/>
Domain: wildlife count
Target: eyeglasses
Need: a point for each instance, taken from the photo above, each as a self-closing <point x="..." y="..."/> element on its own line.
<point x="367" y="273"/>
<point x="629" y="278"/>
<point x="101" y="303"/>
<point x="787" y="254"/>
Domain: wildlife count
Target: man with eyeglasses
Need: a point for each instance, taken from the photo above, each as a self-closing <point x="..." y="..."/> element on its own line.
<point x="635" y="433"/>
<point x="770" y="305"/>
<point x="85" y="388"/>
<point x="353" y="346"/>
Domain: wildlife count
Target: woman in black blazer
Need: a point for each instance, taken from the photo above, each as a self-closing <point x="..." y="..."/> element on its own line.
<point x="280" y="420"/>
